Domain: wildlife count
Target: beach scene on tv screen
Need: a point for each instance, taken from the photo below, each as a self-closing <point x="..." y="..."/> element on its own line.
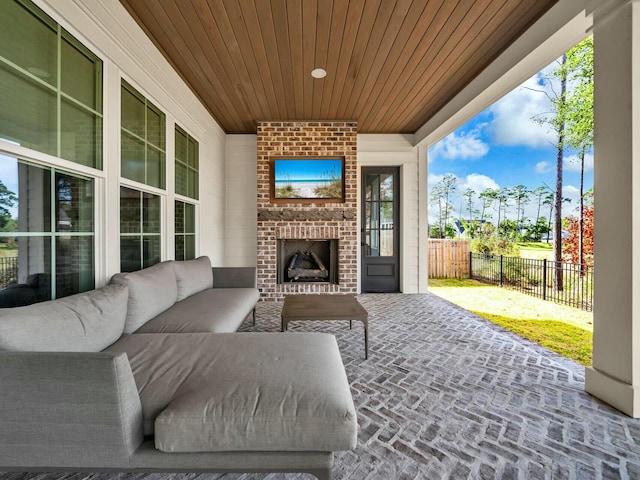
<point x="298" y="178"/>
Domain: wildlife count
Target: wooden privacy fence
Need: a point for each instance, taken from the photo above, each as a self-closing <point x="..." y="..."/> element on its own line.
<point x="448" y="258"/>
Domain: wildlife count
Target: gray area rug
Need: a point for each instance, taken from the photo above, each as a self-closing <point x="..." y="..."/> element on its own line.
<point x="448" y="395"/>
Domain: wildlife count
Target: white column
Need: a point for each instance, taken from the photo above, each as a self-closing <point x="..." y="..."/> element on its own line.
<point x="615" y="374"/>
<point x="423" y="212"/>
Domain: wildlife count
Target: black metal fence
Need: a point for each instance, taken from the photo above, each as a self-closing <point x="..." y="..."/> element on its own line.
<point x="560" y="282"/>
<point x="8" y="271"/>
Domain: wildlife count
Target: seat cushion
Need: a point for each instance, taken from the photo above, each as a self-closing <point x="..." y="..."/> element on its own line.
<point x="215" y="310"/>
<point x="85" y="322"/>
<point x="151" y="291"/>
<point x="193" y="276"/>
<point x="242" y="391"/>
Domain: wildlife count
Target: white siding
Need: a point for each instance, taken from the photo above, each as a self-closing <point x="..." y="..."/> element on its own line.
<point x="242" y="210"/>
<point x="110" y="32"/>
<point x="398" y="150"/>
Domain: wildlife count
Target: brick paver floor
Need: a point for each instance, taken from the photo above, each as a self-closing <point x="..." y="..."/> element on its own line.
<point x="446" y="394"/>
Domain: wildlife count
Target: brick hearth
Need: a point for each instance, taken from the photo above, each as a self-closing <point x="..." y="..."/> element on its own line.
<point x="307" y="221"/>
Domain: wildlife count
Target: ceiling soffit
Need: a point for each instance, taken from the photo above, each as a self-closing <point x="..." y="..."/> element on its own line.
<point x="391" y="65"/>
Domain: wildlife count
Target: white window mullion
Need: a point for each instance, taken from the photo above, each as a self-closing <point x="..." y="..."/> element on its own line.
<point x="170" y="169"/>
<point x="108" y="212"/>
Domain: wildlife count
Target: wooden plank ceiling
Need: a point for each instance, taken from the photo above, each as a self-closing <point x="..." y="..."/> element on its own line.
<point x="391" y="64"/>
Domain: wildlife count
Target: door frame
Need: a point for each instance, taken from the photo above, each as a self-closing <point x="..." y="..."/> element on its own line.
<point x="396" y="171"/>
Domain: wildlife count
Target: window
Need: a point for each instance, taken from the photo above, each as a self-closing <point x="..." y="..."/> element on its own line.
<point x="142" y="139"/>
<point x="187" y="152"/>
<point x="140" y="239"/>
<point x="50" y="87"/>
<point x="47" y="233"/>
<point x="185" y="227"/>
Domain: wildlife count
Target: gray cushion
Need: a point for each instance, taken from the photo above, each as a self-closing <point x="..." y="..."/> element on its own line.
<point x="248" y="391"/>
<point x="86" y="322"/>
<point x="212" y="310"/>
<point x="151" y="291"/>
<point x="193" y="276"/>
<point x="72" y="410"/>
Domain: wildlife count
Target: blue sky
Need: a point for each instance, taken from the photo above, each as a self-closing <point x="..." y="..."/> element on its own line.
<point x="297" y="170"/>
<point x="503" y="147"/>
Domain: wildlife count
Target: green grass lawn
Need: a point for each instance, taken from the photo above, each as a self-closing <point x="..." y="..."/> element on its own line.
<point x="565" y="330"/>
<point x="8" y="250"/>
<point x="536" y="250"/>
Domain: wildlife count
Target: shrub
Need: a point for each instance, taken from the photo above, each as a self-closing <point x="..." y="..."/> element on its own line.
<point x="494" y="245"/>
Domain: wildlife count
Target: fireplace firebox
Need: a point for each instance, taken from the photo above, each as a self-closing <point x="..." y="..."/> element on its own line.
<point x="307" y="261"/>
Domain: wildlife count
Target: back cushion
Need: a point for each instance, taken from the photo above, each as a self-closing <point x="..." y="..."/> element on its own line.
<point x="86" y="322"/>
<point x="193" y="276"/>
<point x="151" y="291"/>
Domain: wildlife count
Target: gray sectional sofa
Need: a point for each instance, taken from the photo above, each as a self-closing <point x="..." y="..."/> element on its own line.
<point x="147" y="374"/>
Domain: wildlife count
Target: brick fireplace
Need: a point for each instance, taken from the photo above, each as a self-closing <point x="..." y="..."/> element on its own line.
<point x="309" y="222"/>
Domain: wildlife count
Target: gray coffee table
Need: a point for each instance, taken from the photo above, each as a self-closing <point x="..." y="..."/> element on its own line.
<point x="325" y="307"/>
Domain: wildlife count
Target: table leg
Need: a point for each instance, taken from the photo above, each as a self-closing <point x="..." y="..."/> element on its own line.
<point x="366" y="339"/>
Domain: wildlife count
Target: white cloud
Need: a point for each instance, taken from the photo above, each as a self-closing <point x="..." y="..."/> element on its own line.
<point x="460" y="146"/>
<point x="432" y="179"/>
<point x="477" y="182"/>
<point x="573" y="194"/>
<point x="512" y="115"/>
<point x="543" y="167"/>
<point x="572" y="163"/>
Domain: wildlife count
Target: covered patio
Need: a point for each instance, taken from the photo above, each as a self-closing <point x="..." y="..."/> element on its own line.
<point x="447" y="394"/>
<point x="444" y="394"/>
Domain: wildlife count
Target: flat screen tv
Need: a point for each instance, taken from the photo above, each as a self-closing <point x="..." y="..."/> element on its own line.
<point x="307" y="180"/>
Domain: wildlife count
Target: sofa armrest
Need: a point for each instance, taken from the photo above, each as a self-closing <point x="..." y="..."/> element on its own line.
<point x="235" y="277"/>
<point x="68" y="410"/>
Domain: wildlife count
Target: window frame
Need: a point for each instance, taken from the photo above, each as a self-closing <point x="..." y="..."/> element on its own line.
<point x="56" y="89"/>
<point x="185" y="163"/>
<point x="53" y="234"/>
<point x="149" y="104"/>
<point x="196" y="208"/>
<point x="142" y="234"/>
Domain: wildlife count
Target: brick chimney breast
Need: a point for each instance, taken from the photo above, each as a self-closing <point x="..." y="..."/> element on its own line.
<point x="307" y="220"/>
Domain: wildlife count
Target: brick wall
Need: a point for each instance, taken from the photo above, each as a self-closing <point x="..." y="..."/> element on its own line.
<point x="312" y="221"/>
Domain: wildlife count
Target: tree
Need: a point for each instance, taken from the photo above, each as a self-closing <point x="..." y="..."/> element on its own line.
<point x="487" y="196"/>
<point x="521" y="196"/>
<point x="579" y="129"/>
<point x="549" y="201"/>
<point x="508" y="229"/>
<point x="502" y="196"/>
<point x="468" y="195"/>
<point x="442" y="194"/>
<point x="579" y="245"/>
<point x="556" y="120"/>
<point x="537" y="230"/>
<point x="540" y="194"/>
<point x="8" y="199"/>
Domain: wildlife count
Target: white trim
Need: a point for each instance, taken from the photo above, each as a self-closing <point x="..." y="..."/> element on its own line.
<point x="9" y="148"/>
<point x="393" y="150"/>
<point x="170" y="185"/>
<point x="423" y="218"/>
<point x="110" y="255"/>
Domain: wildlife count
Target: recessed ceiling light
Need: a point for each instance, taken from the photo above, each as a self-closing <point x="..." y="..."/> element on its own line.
<point x="318" y="73"/>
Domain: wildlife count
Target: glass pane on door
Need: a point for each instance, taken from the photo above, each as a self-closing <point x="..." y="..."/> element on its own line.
<point x="379" y="215"/>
